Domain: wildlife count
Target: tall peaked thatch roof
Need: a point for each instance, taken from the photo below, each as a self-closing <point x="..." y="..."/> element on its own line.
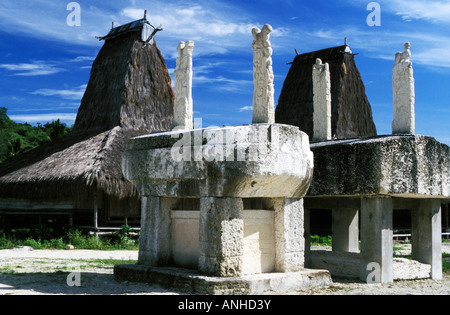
<point x="351" y="110"/>
<point x="129" y="94"/>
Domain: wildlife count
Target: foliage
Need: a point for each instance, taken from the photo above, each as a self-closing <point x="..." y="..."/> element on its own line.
<point x="80" y="240"/>
<point x="16" y="138"/>
<point x="318" y="240"/>
<point x="446" y="263"/>
<point x="124" y="236"/>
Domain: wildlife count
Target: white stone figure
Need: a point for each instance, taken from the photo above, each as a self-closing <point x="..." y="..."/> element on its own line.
<point x="263" y="98"/>
<point x="404" y="94"/>
<point x="183" y="110"/>
<point x="403" y="56"/>
<point x="322" y="101"/>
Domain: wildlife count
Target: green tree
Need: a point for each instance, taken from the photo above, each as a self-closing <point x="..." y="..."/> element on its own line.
<point x="18" y="138"/>
<point x="56" y="129"/>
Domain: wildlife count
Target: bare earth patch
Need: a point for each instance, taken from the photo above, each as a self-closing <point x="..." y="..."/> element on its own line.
<point x="45" y="272"/>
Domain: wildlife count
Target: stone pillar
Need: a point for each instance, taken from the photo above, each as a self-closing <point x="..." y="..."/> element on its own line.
<point x="289" y="235"/>
<point x="404" y="94"/>
<point x="345" y="230"/>
<point x="322" y="101"/>
<point x="221" y="236"/>
<point x="263" y="98"/>
<point x="183" y="110"/>
<point x="154" y="241"/>
<point x="376" y="240"/>
<point x="426" y="235"/>
<point x="307" y="234"/>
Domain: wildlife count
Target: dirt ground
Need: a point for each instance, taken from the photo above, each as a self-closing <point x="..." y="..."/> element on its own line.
<point x="46" y="272"/>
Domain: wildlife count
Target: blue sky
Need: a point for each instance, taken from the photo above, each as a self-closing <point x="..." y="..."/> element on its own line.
<point x="45" y="63"/>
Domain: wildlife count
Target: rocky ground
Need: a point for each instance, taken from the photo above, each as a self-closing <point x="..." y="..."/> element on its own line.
<point x="42" y="272"/>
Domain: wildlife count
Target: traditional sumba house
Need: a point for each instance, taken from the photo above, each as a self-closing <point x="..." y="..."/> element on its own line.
<point x="79" y="177"/>
<point x="350" y="108"/>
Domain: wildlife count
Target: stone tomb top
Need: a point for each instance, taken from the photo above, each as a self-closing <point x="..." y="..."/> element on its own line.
<point x="259" y="160"/>
<point x="412" y="166"/>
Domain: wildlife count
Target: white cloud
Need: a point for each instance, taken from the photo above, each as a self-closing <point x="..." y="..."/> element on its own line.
<point x="32" y="69"/>
<point x="245" y="108"/>
<point x="435" y="11"/>
<point x="68" y="94"/>
<point x="83" y="58"/>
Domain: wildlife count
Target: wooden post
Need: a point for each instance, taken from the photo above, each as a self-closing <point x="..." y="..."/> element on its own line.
<point x="95" y="214"/>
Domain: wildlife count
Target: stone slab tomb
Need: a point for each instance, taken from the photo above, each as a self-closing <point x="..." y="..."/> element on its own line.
<point x="372" y="178"/>
<point x="367" y="179"/>
<point x="222" y="208"/>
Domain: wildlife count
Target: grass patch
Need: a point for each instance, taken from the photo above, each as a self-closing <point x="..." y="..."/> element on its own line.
<point x="121" y="240"/>
<point x="446" y="263"/>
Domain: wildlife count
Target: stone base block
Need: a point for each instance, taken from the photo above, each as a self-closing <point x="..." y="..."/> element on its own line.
<point x="346" y="265"/>
<point x="189" y="281"/>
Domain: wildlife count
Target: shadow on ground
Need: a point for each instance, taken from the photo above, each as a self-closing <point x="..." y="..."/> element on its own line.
<point x="56" y="283"/>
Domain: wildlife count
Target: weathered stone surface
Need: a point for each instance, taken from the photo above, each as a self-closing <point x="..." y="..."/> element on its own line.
<point x="183" y="110"/>
<point x="190" y="282"/>
<point x="404" y="166"/>
<point x="246" y="161"/>
<point x="404" y="99"/>
<point x="347" y="265"/>
<point x="221" y="236"/>
<point x="322" y="101"/>
<point x="263" y="97"/>
<point x="289" y="235"/>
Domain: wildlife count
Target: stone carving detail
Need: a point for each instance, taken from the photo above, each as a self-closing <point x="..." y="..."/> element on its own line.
<point x="403" y="56"/>
<point x="183" y="111"/>
<point x="263" y="98"/>
<point x="322" y="101"/>
<point x="404" y="94"/>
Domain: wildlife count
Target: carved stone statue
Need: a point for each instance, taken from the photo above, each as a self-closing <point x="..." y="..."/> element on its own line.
<point x="183" y="111"/>
<point x="322" y="101"/>
<point x="263" y="98"/>
<point x="403" y="56"/>
<point x="404" y="93"/>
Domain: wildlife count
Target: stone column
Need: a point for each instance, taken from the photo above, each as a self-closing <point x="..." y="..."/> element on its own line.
<point x="322" y="101"/>
<point x="263" y="98"/>
<point x="221" y="236"/>
<point x="426" y="235"/>
<point x="404" y="94"/>
<point x="289" y="235"/>
<point x="183" y="110"/>
<point x="376" y="240"/>
<point x="307" y="234"/>
<point x="155" y="237"/>
<point x="345" y="230"/>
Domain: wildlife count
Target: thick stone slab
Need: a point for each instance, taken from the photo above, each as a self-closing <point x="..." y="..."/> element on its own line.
<point x="189" y="281"/>
<point x="261" y="160"/>
<point x="401" y="166"/>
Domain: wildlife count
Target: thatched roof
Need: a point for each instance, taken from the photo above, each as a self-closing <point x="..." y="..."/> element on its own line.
<point x="129" y="94"/>
<point x="351" y="110"/>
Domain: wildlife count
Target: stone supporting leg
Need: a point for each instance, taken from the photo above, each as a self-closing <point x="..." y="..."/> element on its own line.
<point x="221" y="236"/>
<point x="376" y="240"/>
<point x="155" y="238"/>
<point x="345" y="230"/>
<point x="307" y="234"/>
<point x="289" y="235"/>
<point x="426" y="235"/>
